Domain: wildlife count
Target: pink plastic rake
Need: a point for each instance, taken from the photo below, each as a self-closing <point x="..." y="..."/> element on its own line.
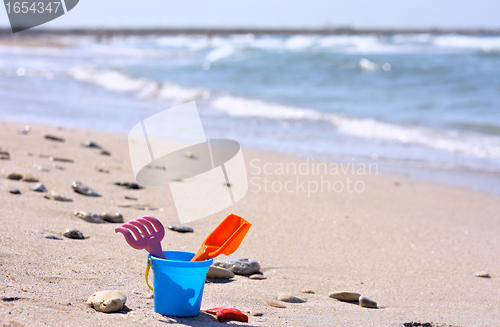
<point x="148" y="232"/>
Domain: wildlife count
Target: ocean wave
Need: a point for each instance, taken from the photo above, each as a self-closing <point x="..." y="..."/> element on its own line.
<point x="455" y="142"/>
<point x="144" y="88"/>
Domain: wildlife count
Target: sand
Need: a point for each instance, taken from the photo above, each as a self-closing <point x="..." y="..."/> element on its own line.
<point x="411" y="246"/>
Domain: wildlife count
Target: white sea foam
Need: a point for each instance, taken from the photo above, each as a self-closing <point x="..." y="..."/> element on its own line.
<point x="144" y="88"/>
<point x="469" y="144"/>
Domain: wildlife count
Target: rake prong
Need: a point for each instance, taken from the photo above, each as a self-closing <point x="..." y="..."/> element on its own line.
<point x="133" y="229"/>
<point x="147" y="224"/>
<point x="159" y="227"/>
<point x="140" y="226"/>
<point x="129" y="238"/>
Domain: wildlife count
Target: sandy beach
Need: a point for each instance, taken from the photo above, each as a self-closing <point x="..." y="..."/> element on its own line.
<point x="413" y="247"/>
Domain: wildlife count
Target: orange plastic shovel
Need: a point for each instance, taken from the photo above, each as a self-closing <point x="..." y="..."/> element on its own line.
<point x="225" y="239"/>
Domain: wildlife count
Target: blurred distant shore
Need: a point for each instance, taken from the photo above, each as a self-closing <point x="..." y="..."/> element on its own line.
<point x="256" y="31"/>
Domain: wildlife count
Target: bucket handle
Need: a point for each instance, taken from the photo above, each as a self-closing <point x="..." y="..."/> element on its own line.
<point x="147" y="273"/>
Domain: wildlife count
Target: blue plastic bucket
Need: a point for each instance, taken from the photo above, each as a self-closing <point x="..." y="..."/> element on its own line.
<point x="178" y="283"/>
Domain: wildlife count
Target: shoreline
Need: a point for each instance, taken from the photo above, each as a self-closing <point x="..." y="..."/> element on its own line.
<point x="108" y="32"/>
<point x="413" y="247"/>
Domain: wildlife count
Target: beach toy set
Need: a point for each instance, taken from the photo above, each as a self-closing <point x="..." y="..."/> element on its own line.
<point x="179" y="277"/>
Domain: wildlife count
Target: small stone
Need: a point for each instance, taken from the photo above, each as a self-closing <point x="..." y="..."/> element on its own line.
<point x="217" y="272"/>
<point x="61" y="159"/>
<point x="113" y="217"/>
<point x="74" y="234"/>
<point x="273" y="303"/>
<point x="102" y="170"/>
<point x="39" y="187"/>
<point x="240" y="266"/>
<point x="133" y="186"/>
<point x="188" y="154"/>
<point x="57" y="197"/>
<point x="14" y="191"/>
<point x="367" y="303"/>
<point x="90" y="218"/>
<point x="180" y="228"/>
<point x="4" y="155"/>
<point x="14" y="176"/>
<point x="22" y="132"/>
<point x="53" y="237"/>
<point x="29" y="178"/>
<point x="257" y="276"/>
<point x="290" y="298"/>
<point x="483" y="274"/>
<point x="41" y="168"/>
<point x="345" y="296"/>
<point x="81" y="188"/>
<point x="254" y="313"/>
<point x="130" y="198"/>
<point x="105" y="152"/>
<point x="54" y="138"/>
<point x="90" y="144"/>
<point x="58" y="167"/>
<point x="306" y="291"/>
<point x="107" y="301"/>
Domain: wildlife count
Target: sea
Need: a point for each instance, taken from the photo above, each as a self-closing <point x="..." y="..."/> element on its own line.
<point x="424" y="106"/>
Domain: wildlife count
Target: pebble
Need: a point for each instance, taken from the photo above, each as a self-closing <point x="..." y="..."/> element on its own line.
<point x="58" y="197"/>
<point x="290" y="298"/>
<point x="128" y="185"/>
<point x="74" y="234"/>
<point x="367" y="303"/>
<point x="58" y="167"/>
<point x="14" y="176"/>
<point x="54" y="138"/>
<point x="41" y="168"/>
<point x="130" y="198"/>
<point x="39" y="187"/>
<point x="113" y="217"/>
<point x="255" y="313"/>
<point x="14" y="191"/>
<point x="257" y="276"/>
<point x="107" y="301"/>
<point x="188" y="154"/>
<point x="306" y="291"/>
<point x="217" y="272"/>
<point x="138" y="206"/>
<point x="180" y="228"/>
<point x="102" y="170"/>
<point x="29" y="178"/>
<point x="4" y="155"/>
<point x="61" y="159"/>
<point x="81" y="188"/>
<point x="273" y="303"/>
<point x="90" y="144"/>
<point x="53" y="237"/>
<point x="240" y="266"/>
<point x="105" y="153"/>
<point x="90" y="218"/>
<point x="483" y="274"/>
<point x="345" y="296"/>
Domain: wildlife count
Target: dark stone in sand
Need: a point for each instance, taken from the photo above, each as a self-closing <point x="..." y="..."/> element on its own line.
<point x="29" y="178"/>
<point x="61" y="159"/>
<point x="130" y="197"/>
<point x="54" y="138"/>
<point x="39" y="187"/>
<point x="90" y="144"/>
<point x="113" y="217"/>
<point x="53" y="237"/>
<point x="74" y="234"/>
<point x="105" y="152"/>
<point x="90" y="218"/>
<point x="58" y="197"/>
<point x="133" y="186"/>
<point x="81" y="188"/>
<point x="180" y="228"/>
<point x="4" y="155"/>
<point x="240" y="266"/>
<point x="15" y="176"/>
<point x="14" y="191"/>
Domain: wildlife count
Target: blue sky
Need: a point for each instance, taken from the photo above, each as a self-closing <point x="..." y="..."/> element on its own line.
<point x="279" y="13"/>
